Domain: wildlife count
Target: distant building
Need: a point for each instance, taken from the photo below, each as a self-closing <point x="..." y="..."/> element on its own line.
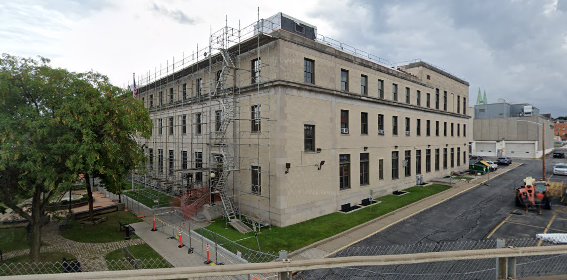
<point x="561" y="129"/>
<point x="513" y="130"/>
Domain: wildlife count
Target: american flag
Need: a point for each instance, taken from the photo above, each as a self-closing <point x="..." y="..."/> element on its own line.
<point x="134" y="88"/>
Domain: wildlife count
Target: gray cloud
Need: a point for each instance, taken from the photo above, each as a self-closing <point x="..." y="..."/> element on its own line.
<point x="516" y="50"/>
<point x="175" y="14"/>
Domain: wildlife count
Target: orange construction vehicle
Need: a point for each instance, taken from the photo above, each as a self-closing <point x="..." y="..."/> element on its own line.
<point x="533" y="194"/>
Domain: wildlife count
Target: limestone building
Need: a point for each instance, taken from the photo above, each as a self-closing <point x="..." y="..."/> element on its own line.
<point x="284" y="125"/>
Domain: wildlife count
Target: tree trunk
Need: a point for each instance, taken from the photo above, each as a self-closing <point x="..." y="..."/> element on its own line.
<point x="36" y="225"/>
<point x="90" y="194"/>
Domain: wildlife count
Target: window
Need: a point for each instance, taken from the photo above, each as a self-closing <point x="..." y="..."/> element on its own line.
<point x="184" y="88"/>
<point x="437" y="161"/>
<point x="428" y="128"/>
<point x="427" y="160"/>
<point x="408" y="95"/>
<point x="436" y="128"/>
<point x="408" y="126"/>
<point x="364" y="169"/>
<point x="395" y="92"/>
<point x="256" y="179"/>
<point x="170" y="125"/>
<point x="199" y="85"/>
<point x="418" y="98"/>
<point x="170" y="95"/>
<point x="452" y="157"/>
<point x="418" y="161"/>
<point x="255" y="118"/>
<point x="151" y="100"/>
<point x="464" y="158"/>
<point x="256" y="68"/>
<point x="464" y="130"/>
<point x="395" y="166"/>
<point x="458" y="104"/>
<point x="452" y="130"/>
<point x="381" y="169"/>
<point x="394" y="125"/>
<point x="184" y="160"/>
<point x="407" y="163"/>
<point x="364" y="85"/>
<point x="381" y="89"/>
<point x="309" y="137"/>
<point x="160" y="161"/>
<point x="309" y="71"/>
<point x="458" y="156"/>
<point x="218" y="81"/>
<point x="380" y="124"/>
<point x="198" y="124"/>
<point x="344" y="171"/>
<point x="445" y="129"/>
<point x="171" y="162"/>
<point x="218" y="120"/>
<point x="160" y="126"/>
<point x="428" y="100"/>
<point x="344" y="121"/>
<point x="160" y="98"/>
<point x="444" y="158"/>
<point x="458" y="130"/>
<point x="364" y="123"/>
<point x="445" y="100"/>
<point x="184" y="124"/>
<point x="198" y="165"/>
<point x="437" y="98"/>
<point x="464" y="105"/>
<point x="151" y="158"/>
<point x="344" y="80"/>
<point x="418" y="127"/>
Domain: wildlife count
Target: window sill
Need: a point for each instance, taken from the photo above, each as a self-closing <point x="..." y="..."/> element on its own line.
<point x="310" y="152"/>
<point x="344" y="189"/>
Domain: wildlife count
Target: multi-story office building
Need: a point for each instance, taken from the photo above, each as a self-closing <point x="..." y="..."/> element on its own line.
<point x="313" y="126"/>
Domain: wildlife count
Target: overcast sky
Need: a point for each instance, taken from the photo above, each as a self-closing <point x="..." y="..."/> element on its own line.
<point x="515" y="49"/>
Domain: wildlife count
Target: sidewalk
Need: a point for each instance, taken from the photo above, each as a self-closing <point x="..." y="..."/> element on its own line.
<point x="334" y="244"/>
<point x="167" y="247"/>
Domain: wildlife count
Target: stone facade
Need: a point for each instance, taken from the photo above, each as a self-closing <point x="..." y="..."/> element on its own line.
<point x="290" y="105"/>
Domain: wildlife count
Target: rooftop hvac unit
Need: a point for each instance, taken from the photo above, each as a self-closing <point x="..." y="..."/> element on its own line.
<point x="287" y="23"/>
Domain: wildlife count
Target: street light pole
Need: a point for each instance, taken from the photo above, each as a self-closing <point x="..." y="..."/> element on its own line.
<point x="543" y="148"/>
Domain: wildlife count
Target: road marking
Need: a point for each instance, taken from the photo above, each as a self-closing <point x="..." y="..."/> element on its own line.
<point x="539" y="227"/>
<point x="498" y="226"/>
<point x="547" y="227"/>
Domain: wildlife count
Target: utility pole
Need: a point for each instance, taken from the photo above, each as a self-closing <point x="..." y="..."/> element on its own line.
<point x="543" y="148"/>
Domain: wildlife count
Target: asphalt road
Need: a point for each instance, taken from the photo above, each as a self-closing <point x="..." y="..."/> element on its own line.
<point x="464" y="222"/>
<point x="470" y="216"/>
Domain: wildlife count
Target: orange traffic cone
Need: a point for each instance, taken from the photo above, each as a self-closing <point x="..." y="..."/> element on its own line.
<point x="208" y="261"/>
<point x="181" y="245"/>
<point x="154" y="228"/>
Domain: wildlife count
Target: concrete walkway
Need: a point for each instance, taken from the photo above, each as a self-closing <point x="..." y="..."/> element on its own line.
<point x="341" y="241"/>
<point x="167" y="247"/>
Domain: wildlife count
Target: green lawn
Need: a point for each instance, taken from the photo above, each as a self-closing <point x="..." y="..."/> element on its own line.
<point x="148" y="196"/>
<point x="107" y="231"/>
<point x="49" y="263"/>
<point x="13" y="239"/>
<point x="116" y="260"/>
<point x="300" y="235"/>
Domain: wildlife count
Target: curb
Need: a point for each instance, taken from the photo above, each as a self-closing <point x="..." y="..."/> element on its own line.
<point x="301" y="250"/>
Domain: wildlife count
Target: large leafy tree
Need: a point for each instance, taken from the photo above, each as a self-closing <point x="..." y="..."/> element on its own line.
<point x="33" y="141"/>
<point x="55" y="125"/>
<point x="106" y="127"/>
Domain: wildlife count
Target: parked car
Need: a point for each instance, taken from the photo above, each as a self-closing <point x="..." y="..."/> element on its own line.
<point x="504" y="161"/>
<point x="493" y="165"/>
<point x="558" y="155"/>
<point x="475" y="158"/>
<point x="560" y="169"/>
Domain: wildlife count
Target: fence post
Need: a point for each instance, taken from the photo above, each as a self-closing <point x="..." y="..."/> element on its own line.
<point x="502" y="268"/>
<point x="511" y="268"/>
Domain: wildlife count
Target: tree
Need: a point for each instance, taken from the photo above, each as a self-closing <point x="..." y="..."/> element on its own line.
<point x="33" y="149"/>
<point x="55" y="125"/>
<point x="106" y="127"/>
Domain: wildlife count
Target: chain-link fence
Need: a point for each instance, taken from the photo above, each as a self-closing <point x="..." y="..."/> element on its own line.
<point x="535" y="266"/>
<point x="171" y="222"/>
